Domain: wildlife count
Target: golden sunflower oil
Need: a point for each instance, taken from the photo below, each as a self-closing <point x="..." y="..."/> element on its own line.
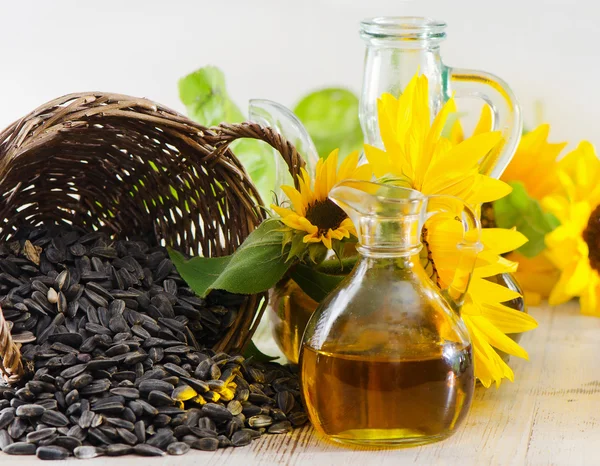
<point x="386" y="401"/>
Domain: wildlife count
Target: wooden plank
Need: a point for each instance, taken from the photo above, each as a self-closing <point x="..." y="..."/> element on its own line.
<point x="549" y="415"/>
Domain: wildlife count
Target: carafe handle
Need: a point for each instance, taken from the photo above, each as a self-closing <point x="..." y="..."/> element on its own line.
<point x="506" y="113"/>
<point x="469" y="247"/>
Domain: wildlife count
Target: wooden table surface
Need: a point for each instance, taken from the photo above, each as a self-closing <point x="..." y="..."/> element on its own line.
<point x="550" y="415"/>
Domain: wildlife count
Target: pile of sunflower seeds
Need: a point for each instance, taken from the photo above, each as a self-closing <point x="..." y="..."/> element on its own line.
<point x="115" y="345"/>
<point x="46" y="273"/>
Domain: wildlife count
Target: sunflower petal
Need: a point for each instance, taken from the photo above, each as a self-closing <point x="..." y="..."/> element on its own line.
<point x="379" y="160"/>
<point x="483" y="290"/>
<point x="497" y="339"/>
<point x="347" y="167"/>
<point x="502" y="240"/>
<point x="485" y="121"/>
<point x="295" y="198"/>
<point x="468" y="153"/>
<point x="326" y="239"/>
<point x="506" y="319"/>
<point x="282" y="211"/>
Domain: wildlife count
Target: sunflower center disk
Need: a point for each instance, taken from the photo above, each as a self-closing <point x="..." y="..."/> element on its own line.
<point x="325" y="215"/>
<point x="591" y="236"/>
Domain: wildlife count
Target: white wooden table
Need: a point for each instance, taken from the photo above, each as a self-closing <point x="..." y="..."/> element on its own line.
<point x="549" y="416"/>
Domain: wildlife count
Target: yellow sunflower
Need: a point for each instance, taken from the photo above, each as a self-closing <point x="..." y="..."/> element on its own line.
<point x="574" y="246"/>
<point x="311" y="211"/>
<point x="418" y="156"/>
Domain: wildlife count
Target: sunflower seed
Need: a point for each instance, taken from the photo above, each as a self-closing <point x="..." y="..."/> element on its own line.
<point x="70" y="443"/>
<point x="52" y="453"/>
<point x="86" y="453"/>
<point x="6" y="418"/>
<point x="77" y="432"/>
<point x="148" y="450"/>
<point x="86" y="418"/>
<point x="184" y="393"/>
<point x="129" y="437"/>
<point x="152" y="385"/>
<point x="206" y="444"/>
<point x="158" y="399"/>
<point x="98" y="436"/>
<point x="178" y="448"/>
<point x="126" y="392"/>
<point x="148" y="408"/>
<point x="260" y="421"/>
<point x="298" y="418"/>
<point x="207" y="423"/>
<point x="241" y="438"/>
<point x="62" y="279"/>
<point x="280" y="428"/>
<point x="18" y="428"/>
<point x="54" y="418"/>
<point x="52" y="296"/>
<point x="118" y="449"/>
<point x="235" y="407"/>
<point x="285" y="401"/>
<point x="5" y="439"/>
<point x="20" y="449"/>
<point x="29" y="411"/>
<point x="161" y="439"/>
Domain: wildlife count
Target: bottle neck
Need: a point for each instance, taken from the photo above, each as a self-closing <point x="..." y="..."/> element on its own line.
<point x="397" y="48"/>
<point x="392" y="264"/>
<point x="389" y="70"/>
<point x="381" y="238"/>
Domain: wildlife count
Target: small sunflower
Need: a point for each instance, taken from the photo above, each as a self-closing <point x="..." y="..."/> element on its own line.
<point x="311" y="212"/>
<point x="574" y="246"/>
<point x="416" y="155"/>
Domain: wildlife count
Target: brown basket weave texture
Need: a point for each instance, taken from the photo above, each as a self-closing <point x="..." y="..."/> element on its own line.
<point x="129" y="166"/>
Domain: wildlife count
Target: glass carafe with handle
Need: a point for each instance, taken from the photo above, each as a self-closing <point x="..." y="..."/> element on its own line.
<point x="386" y="359"/>
<point x="398" y="47"/>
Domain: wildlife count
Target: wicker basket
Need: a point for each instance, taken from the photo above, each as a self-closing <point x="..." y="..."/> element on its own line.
<point x="127" y="165"/>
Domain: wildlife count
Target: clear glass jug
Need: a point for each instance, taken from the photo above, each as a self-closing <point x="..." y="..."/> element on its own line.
<point x="386" y="359"/>
<point x="398" y="47"/>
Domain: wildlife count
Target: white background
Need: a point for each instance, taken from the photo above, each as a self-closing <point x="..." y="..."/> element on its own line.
<point x="280" y="49"/>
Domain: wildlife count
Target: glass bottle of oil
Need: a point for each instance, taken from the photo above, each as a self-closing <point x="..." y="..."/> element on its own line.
<point x="386" y="359"/>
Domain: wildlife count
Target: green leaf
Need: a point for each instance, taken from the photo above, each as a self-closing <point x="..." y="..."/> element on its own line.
<point x="257" y="265"/>
<point x="298" y="247"/>
<point x="251" y="351"/>
<point x="331" y="118"/>
<point x="199" y="272"/>
<point x="520" y="210"/>
<point x="204" y="93"/>
<point x="317" y="252"/>
<point x="315" y="284"/>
